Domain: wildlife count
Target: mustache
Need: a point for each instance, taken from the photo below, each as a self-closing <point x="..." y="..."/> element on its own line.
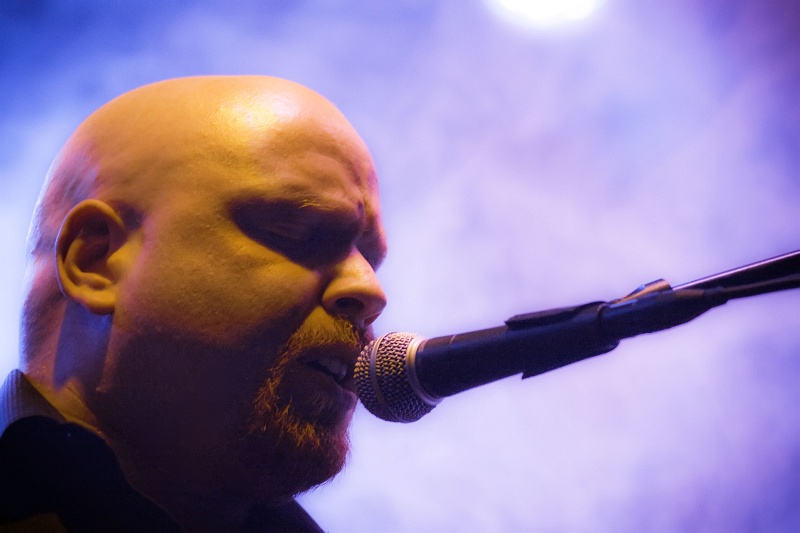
<point x="336" y="331"/>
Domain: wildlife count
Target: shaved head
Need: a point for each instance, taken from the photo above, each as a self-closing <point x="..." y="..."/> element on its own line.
<point x="117" y="154"/>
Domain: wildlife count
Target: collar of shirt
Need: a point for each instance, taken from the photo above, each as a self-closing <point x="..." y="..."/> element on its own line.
<point x="19" y="399"/>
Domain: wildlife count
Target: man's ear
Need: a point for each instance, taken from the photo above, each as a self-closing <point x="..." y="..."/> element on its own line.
<point x="91" y="234"/>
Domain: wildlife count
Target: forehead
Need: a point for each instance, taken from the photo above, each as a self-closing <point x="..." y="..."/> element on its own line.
<point x="311" y="159"/>
<point x="204" y="143"/>
<point x="309" y="173"/>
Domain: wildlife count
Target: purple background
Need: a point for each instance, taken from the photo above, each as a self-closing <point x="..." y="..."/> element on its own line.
<point x="520" y="171"/>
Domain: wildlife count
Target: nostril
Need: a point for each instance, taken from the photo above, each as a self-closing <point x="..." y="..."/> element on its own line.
<point x="349" y="305"/>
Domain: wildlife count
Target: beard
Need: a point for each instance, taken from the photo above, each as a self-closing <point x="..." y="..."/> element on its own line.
<point x="310" y="445"/>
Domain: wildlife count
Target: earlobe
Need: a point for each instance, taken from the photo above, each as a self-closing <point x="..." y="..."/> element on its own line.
<point x="90" y="236"/>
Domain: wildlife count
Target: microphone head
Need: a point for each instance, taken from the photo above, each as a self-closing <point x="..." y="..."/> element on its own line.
<point x="386" y="381"/>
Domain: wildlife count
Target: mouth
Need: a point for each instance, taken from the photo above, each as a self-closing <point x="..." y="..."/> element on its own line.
<point x="337" y="364"/>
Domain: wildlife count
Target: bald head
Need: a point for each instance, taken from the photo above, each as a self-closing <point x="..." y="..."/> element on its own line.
<point x="130" y="149"/>
<point x="170" y="136"/>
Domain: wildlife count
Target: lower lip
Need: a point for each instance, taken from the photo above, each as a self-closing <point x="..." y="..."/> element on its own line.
<point x="347" y="395"/>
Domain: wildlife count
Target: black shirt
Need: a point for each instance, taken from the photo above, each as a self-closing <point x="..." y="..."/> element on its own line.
<point x="56" y="476"/>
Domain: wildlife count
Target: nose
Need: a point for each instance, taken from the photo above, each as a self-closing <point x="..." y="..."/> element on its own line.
<point x="355" y="292"/>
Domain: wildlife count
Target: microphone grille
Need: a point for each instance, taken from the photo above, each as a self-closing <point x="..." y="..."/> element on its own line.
<point x="382" y="381"/>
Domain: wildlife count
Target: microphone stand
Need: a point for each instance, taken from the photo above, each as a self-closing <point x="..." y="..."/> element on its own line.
<point x="651" y="307"/>
<point x="766" y="271"/>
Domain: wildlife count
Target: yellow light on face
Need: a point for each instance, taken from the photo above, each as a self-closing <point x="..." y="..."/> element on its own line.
<point x="539" y="13"/>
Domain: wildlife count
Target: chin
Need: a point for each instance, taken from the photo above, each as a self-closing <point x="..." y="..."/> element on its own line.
<point x="295" y="454"/>
<point x="296" y="467"/>
<point x="322" y="465"/>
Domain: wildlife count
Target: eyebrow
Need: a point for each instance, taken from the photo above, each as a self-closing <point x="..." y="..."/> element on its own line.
<point x="305" y="213"/>
<point x="290" y="209"/>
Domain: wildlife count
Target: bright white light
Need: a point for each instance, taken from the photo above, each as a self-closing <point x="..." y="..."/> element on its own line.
<point x="544" y="12"/>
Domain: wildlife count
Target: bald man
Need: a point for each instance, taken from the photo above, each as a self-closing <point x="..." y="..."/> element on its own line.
<point x="200" y="281"/>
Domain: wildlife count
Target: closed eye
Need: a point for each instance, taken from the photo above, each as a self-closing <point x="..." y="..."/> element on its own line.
<point x="303" y="235"/>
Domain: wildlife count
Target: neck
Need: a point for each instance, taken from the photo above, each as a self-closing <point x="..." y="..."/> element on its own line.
<point x="204" y="511"/>
<point x="205" y="493"/>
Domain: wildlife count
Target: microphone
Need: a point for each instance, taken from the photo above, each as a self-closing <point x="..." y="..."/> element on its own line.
<point x="400" y="377"/>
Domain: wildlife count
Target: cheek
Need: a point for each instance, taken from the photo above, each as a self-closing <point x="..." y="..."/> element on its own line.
<point x="220" y="289"/>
